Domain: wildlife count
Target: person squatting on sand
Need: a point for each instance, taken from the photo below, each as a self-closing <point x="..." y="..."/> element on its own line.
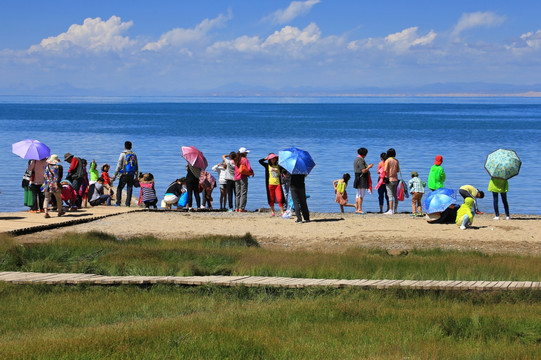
<point x="464" y="215"/>
<point x="147" y="194"/>
<point x="96" y="193"/>
<point x="273" y="182"/>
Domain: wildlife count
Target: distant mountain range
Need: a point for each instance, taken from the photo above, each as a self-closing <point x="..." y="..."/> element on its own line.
<point x="237" y="89"/>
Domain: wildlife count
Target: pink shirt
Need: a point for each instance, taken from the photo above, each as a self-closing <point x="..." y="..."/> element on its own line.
<point x="243" y="161"/>
<point x="392" y="168"/>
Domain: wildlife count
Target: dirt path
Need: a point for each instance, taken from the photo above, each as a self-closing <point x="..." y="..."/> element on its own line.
<point x="326" y="232"/>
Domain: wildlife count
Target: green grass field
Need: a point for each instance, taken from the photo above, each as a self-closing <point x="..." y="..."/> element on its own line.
<point x="104" y="254"/>
<point x="166" y="321"/>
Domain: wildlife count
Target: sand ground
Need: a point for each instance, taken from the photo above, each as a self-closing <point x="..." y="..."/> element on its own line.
<point x="331" y="232"/>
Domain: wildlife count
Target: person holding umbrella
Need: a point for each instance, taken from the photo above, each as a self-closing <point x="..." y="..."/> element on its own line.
<point x="499" y="186"/>
<point x="298" y="163"/>
<point x="501" y="165"/>
<point x="37" y="168"/>
<point x="196" y="163"/>
<point x="36" y="152"/>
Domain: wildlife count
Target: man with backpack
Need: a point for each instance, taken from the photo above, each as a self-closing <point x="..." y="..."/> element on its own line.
<point x="127" y="168"/>
<point x="75" y="175"/>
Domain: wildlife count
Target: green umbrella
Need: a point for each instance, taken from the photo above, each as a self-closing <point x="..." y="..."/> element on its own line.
<point x="503" y="164"/>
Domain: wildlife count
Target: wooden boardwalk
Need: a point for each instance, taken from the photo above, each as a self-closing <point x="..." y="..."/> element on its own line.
<point x="263" y="281"/>
<point x="23" y="222"/>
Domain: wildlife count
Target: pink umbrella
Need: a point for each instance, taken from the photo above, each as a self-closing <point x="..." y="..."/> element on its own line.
<point x="194" y="157"/>
<point x="31" y="149"/>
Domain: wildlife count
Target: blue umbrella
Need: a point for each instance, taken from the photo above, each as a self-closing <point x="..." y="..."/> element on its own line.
<point x="439" y="200"/>
<point x="296" y="161"/>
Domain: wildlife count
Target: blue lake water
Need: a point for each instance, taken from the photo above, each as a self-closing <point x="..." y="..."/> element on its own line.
<point x="462" y="130"/>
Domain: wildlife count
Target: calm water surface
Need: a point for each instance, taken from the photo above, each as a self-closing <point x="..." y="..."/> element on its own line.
<point x="463" y="132"/>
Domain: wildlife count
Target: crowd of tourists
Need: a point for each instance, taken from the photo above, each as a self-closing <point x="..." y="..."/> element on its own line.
<point x="48" y="186"/>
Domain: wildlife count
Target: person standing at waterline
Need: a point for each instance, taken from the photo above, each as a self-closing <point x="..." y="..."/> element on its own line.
<point x="242" y="171"/>
<point x="392" y="168"/>
<point x="229" y="161"/>
<point x="361" y="178"/>
<point x="499" y="186"/>
<point x="128" y="169"/>
<point x="436" y="177"/>
<point x="380" y="186"/>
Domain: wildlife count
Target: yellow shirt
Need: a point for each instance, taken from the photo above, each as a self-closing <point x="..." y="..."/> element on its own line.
<point x="274" y="175"/>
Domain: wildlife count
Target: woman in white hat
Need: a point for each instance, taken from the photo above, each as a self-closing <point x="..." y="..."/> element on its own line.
<point x="51" y="187"/>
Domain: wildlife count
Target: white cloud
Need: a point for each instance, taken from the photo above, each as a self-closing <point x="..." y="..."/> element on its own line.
<point x="240" y="44"/>
<point x="179" y="37"/>
<point x="93" y="35"/>
<point x="477" y="19"/>
<point x="525" y="45"/>
<point x="408" y="38"/>
<point x="398" y="42"/>
<point x="295" y="9"/>
<point x="308" y="35"/>
<point x="532" y="40"/>
<point x="290" y="38"/>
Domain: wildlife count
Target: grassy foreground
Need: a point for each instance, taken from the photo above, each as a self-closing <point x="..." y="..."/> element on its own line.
<point x="103" y="254"/>
<point x="167" y="322"/>
<point x="170" y="322"/>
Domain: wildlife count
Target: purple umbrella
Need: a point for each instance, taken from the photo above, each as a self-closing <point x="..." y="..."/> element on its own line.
<point x="31" y="149"/>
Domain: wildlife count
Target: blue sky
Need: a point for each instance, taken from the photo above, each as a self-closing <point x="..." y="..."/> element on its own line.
<point x="191" y="46"/>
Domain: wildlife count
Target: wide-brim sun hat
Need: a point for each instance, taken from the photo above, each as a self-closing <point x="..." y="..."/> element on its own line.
<point x="67" y="156"/>
<point x="243" y="150"/>
<point x="271" y="156"/>
<point x="53" y="159"/>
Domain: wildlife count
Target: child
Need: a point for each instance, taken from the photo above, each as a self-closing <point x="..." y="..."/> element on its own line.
<point x="221" y="170"/>
<point x="147" y="193"/>
<point x="207" y="183"/>
<point x="341" y="193"/>
<point x="416" y="187"/>
<point x="464" y="215"/>
<point x="107" y="182"/>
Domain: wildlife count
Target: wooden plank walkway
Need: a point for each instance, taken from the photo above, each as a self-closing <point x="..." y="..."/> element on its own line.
<point x="264" y="281"/>
<point x="23" y="222"/>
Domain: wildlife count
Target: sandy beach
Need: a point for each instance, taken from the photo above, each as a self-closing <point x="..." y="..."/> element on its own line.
<point x="330" y="232"/>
